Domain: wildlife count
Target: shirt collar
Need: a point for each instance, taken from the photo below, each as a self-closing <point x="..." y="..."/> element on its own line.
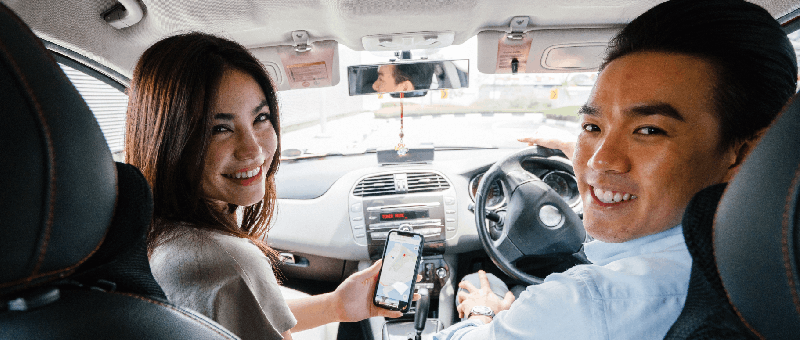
<point x="602" y="253"/>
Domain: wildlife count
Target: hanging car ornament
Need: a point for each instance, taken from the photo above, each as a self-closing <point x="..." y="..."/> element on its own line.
<point x="401" y="148"/>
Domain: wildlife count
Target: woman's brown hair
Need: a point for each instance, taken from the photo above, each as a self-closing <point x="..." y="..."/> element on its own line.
<point x="168" y="130"/>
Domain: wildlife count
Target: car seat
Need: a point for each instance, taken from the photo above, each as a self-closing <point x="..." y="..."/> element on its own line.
<point x="745" y="282"/>
<point x="72" y="224"/>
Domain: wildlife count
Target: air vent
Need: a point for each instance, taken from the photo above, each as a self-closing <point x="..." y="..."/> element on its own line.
<point x="375" y="186"/>
<point x="426" y="182"/>
<point x="385" y="184"/>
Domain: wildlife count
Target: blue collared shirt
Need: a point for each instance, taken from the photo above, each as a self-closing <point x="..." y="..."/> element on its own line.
<point x="632" y="290"/>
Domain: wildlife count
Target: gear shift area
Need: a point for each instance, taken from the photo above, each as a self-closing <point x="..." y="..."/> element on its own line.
<point x="434" y="272"/>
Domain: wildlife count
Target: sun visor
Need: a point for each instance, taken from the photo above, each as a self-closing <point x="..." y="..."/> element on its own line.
<point x="301" y="66"/>
<point x="543" y="51"/>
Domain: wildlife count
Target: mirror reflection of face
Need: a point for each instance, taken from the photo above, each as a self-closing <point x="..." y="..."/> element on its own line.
<point x="650" y="141"/>
<point x="242" y="144"/>
<point x="386" y="82"/>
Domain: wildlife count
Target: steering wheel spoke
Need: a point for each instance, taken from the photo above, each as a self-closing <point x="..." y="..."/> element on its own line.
<point x="510" y="251"/>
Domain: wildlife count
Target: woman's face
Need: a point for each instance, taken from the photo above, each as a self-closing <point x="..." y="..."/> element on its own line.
<point x="242" y="144"/>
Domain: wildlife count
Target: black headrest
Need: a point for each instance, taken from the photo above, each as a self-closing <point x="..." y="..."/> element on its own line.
<point x="756" y="234"/>
<point x="707" y="314"/>
<point x="122" y="258"/>
<point x="58" y="178"/>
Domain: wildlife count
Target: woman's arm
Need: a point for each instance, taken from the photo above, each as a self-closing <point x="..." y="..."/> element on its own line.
<point x="350" y="302"/>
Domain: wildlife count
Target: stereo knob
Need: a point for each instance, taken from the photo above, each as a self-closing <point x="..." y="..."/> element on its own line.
<point x="441" y="272"/>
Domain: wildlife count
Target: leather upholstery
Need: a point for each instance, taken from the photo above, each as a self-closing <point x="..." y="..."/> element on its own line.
<point x="122" y="258"/>
<point x="68" y="272"/>
<point x="93" y="314"/>
<point x="756" y="234"/>
<point x="58" y="179"/>
<point x="707" y="314"/>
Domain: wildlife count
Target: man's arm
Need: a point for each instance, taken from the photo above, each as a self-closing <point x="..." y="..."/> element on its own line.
<point x="560" y="308"/>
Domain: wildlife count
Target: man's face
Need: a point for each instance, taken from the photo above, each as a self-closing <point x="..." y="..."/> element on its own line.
<point x="650" y="141"/>
<point x="386" y="82"/>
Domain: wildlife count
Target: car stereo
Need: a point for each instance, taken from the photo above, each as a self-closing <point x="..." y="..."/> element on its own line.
<point x="429" y="211"/>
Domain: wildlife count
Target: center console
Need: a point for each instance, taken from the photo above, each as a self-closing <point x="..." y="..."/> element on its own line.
<point x="419" y="201"/>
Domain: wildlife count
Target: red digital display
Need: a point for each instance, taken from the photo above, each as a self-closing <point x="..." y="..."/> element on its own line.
<point x="403" y="215"/>
<point x="393" y="217"/>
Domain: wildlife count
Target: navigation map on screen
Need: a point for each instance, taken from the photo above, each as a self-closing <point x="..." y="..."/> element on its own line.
<point x="399" y="263"/>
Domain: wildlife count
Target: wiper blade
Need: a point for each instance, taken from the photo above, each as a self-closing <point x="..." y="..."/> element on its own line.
<point x="329" y="154"/>
<point x="314" y="155"/>
<point x="464" y="147"/>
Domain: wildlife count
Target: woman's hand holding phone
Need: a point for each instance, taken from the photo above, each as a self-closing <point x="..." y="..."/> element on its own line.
<point x="354" y="296"/>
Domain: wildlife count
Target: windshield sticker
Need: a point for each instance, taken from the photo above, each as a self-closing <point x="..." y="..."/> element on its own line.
<point x="509" y="50"/>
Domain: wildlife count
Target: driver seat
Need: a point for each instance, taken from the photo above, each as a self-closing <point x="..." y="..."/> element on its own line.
<point x="71" y="223"/>
<point x="745" y="282"/>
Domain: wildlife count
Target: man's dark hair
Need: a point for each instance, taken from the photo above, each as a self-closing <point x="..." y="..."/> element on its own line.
<point x="419" y="74"/>
<point x="755" y="63"/>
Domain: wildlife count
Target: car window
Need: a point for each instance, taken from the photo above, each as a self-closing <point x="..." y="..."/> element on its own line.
<point x="108" y="105"/>
<point x="794" y="37"/>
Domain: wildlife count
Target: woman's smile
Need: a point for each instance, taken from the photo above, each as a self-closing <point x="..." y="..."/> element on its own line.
<point x="246" y="176"/>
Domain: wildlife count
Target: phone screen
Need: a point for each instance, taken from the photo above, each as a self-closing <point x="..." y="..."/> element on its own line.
<point x="400" y="260"/>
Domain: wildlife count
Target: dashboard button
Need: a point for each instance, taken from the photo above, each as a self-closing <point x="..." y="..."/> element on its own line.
<point x="450" y="200"/>
<point x="379" y="235"/>
<point x="358" y="226"/>
<point x="358" y="218"/>
<point x="450" y="211"/>
<point x="450" y="219"/>
<point x="359" y="234"/>
<point x="356" y="207"/>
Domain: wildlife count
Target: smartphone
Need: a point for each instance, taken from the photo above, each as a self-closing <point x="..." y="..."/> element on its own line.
<point x="401" y="257"/>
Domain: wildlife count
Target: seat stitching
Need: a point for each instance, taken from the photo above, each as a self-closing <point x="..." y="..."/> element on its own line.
<point x="785" y="241"/>
<point x="190" y="315"/>
<point x="714" y="250"/>
<point x="51" y="157"/>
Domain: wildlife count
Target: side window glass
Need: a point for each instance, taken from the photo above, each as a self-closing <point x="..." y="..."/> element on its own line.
<point x="108" y="105"/>
<point x="794" y="37"/>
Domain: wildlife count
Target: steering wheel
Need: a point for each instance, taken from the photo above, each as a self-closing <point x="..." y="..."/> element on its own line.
<point x="537" y="221"/>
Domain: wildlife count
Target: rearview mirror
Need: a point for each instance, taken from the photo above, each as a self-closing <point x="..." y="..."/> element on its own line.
<point x="413" y="78"/>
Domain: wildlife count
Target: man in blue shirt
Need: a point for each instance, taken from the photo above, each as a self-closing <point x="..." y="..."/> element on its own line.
<point x="682" y="96"/>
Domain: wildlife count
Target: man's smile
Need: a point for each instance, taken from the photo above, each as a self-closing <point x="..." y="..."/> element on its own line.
<point x="608" y="198"/>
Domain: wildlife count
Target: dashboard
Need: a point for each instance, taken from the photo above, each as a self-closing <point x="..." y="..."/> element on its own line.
<point x="342" y="206"/>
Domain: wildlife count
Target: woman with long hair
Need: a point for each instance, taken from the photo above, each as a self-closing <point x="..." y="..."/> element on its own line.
<point x="203" y="126"/>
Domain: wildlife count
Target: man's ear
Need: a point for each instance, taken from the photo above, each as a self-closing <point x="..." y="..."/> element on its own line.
<point x="405" y="85"/>
<point x="739" y="153"/>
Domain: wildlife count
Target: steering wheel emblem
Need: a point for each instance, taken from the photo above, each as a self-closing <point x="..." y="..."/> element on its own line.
<point x="550" y="216"/>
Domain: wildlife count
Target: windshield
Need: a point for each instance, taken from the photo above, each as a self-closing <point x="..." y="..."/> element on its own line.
<point x="493" y="111"/>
